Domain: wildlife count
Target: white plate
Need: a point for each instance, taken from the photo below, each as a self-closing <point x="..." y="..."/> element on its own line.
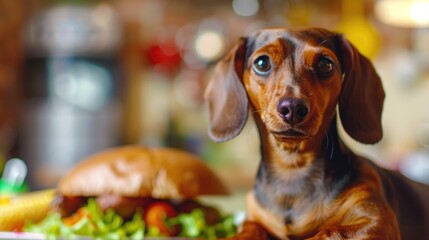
<point x="41" y="236"/>
<point x="21" y="235"/>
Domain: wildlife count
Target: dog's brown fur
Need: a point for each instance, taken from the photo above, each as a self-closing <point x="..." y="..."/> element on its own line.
<point x="309" y="184"/>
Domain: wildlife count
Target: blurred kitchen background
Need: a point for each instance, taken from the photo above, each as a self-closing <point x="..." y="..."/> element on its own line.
<point x="78" y="76"/>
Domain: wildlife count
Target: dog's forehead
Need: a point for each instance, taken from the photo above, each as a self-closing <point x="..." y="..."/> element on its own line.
<point x="312" y="36"/>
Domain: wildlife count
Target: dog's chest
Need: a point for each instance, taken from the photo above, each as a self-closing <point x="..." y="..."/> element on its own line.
<point x="298" y="213"/>
<point x="299" y="198"/>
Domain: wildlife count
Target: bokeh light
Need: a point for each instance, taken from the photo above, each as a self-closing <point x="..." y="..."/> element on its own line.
<point x="245" y="7"/>
<point x="209" y="44"/>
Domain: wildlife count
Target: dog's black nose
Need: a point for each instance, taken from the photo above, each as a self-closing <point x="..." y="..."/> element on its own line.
<point x="292" y="110"/>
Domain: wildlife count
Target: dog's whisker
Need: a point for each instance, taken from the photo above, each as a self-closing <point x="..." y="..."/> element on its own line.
<point x="257" y="111"/>
<point x="327" y="140"/>
<point x="298" y="147"/>
<point x="332" y="150"/>
<point x="321" y="43"/>
<point x="329" y="143"/>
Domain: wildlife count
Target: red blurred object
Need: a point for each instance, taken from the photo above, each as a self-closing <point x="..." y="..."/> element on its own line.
<point x="156" y="215"/>
<point x="165" y="56"/>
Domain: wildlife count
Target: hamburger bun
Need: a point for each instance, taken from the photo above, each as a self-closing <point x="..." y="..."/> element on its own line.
<point x="136" y="171"/>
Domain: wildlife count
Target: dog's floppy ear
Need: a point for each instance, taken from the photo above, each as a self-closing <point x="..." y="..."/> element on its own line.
<point x="362" y="96"/>
<point x="225" y="96"/>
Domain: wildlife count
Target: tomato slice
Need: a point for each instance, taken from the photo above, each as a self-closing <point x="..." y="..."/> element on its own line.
<point x="156" y="215"/>
<point x="76" y="217"/>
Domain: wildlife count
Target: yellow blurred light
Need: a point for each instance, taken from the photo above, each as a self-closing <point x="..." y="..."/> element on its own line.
<point x="209" y="45"/>
<point x="361" y="33"/>
<point x="403" y="13"/>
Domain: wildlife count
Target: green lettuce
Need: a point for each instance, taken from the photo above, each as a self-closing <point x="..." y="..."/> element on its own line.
<point x="97" y="224"/>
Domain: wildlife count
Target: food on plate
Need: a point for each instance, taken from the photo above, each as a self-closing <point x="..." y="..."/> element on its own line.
<point x="132" y="192"/>
<point x="14" y="210"/>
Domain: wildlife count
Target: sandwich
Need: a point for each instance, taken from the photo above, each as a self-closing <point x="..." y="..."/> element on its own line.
<point x="134" y="192"/>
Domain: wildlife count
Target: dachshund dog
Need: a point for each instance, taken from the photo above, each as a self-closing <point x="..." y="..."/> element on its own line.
<point x="309" y="185"/>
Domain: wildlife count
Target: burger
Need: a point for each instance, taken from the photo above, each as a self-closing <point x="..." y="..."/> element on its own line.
<point x="133" y="192"/>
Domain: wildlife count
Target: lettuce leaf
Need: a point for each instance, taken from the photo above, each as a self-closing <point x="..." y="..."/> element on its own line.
<point x="94" y="223"/>
<point x="193" y="224"/>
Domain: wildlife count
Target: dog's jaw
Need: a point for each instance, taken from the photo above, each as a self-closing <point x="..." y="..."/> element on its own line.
<point x="290" y="135"/>
<point x="291" y="151"/>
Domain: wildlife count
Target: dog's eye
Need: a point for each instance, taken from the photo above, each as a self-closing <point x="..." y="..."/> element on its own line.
<point x="325" y="66"/>
<point x="262" y="64"/>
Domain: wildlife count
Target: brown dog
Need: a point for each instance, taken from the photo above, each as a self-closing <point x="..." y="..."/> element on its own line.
<point x="309" y="184"/>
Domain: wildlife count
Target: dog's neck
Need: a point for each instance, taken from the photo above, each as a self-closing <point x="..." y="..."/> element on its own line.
<point x="293" y="173"/>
